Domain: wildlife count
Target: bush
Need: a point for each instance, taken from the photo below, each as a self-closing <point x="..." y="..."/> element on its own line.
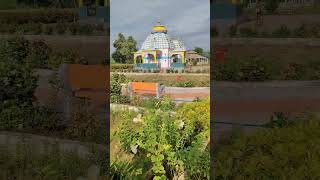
<point x="45" y="16"/>
<point x="278" y="153"/>
<point x="301" y="31"/>
<point x="39" y="53"/>
<point x="251" y="69"/>
<point x="294" y="71"/>
<point x="84" y="122"/>
<point x="282" y="32"/>
<point x="86" y="29"/>
<point x="248" y="32"/>
<point x="169" y="145"/>
<point x="64" y="57"/>
<point x="115" y="89"/>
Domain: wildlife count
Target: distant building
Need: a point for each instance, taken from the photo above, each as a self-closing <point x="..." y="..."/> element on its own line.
<point x="193" y="56"/>
<point x="160" y="51"/>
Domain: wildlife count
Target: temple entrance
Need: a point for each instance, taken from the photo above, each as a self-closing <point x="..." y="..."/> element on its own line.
<point x="149" y="58"/>
<point x="139" y="59"/>
<point x="176" y="58"/>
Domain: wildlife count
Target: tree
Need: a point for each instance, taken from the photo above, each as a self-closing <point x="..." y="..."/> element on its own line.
<point x="199" y="50"/>
<point x="124" y="49"/>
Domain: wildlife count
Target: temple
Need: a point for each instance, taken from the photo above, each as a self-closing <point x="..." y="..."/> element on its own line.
<point x="160" y="51"/>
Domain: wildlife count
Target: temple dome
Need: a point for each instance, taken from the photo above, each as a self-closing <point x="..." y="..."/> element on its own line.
<point x="158" y="41"/>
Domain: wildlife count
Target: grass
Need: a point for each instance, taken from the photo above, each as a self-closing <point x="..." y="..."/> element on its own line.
<point x="8" y="4"/>
<point x="116" y="154"/>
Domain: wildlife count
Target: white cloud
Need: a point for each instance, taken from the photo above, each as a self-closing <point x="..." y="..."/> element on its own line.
<point x="185" y="19"/>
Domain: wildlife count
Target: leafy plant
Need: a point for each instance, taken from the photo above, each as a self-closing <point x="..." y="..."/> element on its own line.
<point x="279" y="153"/>
<point x="282" y="32"/>
<point x="165" y="141"/>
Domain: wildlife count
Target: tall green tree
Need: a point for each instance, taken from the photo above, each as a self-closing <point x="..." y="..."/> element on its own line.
<point x="124" y="49"/>
<point x="199" y="50"/>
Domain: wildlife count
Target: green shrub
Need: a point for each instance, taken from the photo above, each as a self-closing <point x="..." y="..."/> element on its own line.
<point x="86" y="29"/>
<point x="301" y="31"/>
<point x="38" y="55"/>
<point x="45" y="16"/>
<point x="294" y="71"/>
<point x="84" y="122"/>
<point x="115" y="67"/>
<point x="278" y="153"/>
<point x="248" y="32"/>
<point x="64" y="57"/>
<point x="250" y="69"/>
<point x="15" y="49"/>
<point x="115" y="89"/>
<point x="168" y="144"/>
<point x="282" y="32"/>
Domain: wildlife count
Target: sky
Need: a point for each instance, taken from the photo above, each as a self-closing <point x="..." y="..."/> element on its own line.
<point x="187" y="20"/>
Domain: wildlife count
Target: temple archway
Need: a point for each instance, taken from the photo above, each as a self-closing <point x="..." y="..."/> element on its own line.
<point x="139" y="59"/>
<point x="149" y="58"/>
<point x="176" y="58"/>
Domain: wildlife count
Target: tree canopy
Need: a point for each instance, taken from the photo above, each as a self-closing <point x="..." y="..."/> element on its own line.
<point x="124" y="48"/>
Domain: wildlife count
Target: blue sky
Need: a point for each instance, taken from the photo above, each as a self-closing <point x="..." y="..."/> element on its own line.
<point x="187" y="20"/>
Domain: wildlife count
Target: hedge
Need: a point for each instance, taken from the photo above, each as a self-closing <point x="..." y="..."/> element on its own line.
<point x="46" y="16"/>
<point x="290" y="152"/>
<point x="116" y="67"/>
<point x="49" y="29"/>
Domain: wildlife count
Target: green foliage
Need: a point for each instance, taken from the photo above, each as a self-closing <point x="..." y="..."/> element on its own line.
<point x="290" y="152"/>
<point x="251" y="69"/>
<point x="165" y="142"/>
<point x="115" y="89"/>
<point x="45" y="16"/>
<point x="279" y="120"/>
<point x="248" y="32"/>
<point x="301" y="31"/>
<point x="124" y="48"/>
<point x="8" y="4"/>
<point x="119" y="67"/>
<point x="64" y="57"/>
<point x="282" y="32"/>
<point x="14" y="49"/>
<point x="199" y="50"/>
<point x="38" y="54"/>
<point x="51" y="164"/>
<point x="84" y="122"/>
<point x="123" y="170"/>
<point x="294" y="71"/>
